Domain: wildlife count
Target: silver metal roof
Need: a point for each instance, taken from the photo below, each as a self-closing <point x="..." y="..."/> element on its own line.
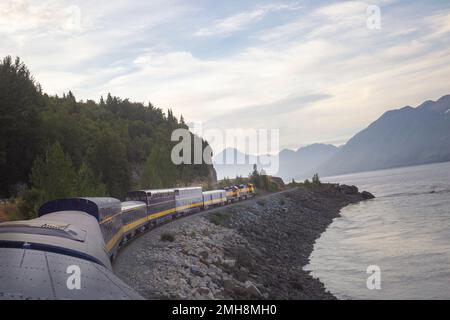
<point x="214" y="191"/>
<point x="74" y="232"/>
<point x="31" y="274"/>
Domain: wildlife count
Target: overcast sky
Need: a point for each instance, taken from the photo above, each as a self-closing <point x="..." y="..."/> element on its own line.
<point x="310" y="68"/>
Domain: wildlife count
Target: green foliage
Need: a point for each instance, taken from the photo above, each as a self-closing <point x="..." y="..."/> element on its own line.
<point x="260" y="180"/>
<point x="239" y="180"/>
<point x="150" y="176"/>
<point x="273" y="187"/>
<point x="54" y="174"/>
<point x="166" y="236"/>
<point x="104" y="148"/>
<point x="109" y="160"/>
<point x="256" y="177"/>
<point x="31" y="201"/>
<point x="220" y="218"/>
<point x="87" y="183"/>
<point x="20" y="102"/>
<point x="316" y="180"/>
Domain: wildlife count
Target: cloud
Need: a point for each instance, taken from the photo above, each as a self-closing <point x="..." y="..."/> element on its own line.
<point x="19" y="16"/>
<point x="317" y="73"/>
<point x="231" y="24"/>
<point x="247" y="114"/>
<point x="439" y="25"/>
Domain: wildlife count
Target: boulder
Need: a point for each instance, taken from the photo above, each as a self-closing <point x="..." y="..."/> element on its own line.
<point x="367" y="195"/>
<point x="197" y="271"/>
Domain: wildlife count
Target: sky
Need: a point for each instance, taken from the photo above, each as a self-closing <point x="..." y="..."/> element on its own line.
<point x="319" y="71"/>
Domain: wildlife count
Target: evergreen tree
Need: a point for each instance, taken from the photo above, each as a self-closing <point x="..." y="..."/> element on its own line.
<point x="255" y="177"/>
<point x="20" y="142"/>
<point x="316" y="180"/>
<point x="54" y="174"/>
<point x="150" y="176"/>
<point x="110" y="163"/>
<point x="87" y="184"/>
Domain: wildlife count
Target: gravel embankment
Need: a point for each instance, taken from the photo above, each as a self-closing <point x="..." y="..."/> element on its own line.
<point x="253" y="250"/>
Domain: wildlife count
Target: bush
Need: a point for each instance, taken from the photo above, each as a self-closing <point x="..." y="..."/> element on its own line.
<point x="220" y="218"/>
<point x="166" y="236"/>
<point x="29" y="204"/>
<point x="9" y="212"/>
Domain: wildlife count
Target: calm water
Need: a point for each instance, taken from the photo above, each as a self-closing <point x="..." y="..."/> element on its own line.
<point x="405" y="231"/>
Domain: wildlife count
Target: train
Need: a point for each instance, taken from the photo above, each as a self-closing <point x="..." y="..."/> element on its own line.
<point x="87" y="232"/>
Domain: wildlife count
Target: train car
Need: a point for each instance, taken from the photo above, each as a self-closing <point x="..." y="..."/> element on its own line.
<point x="244" y="192"/>
<point x="134" y="218"/>
<point x="214" y="198"/>
<point x="232" y="194"/>
<point x="251" y="190"/>
<point x="68" y="232"/>
<point x="107" y="211"/>
<point x="39" y="255"/>
<point x="188" y="199"/>
<point x="161" y="204"/>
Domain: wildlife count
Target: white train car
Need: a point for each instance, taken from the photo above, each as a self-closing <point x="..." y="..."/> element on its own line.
<point x="188" y="199"/>
<point x="214" y="198"/>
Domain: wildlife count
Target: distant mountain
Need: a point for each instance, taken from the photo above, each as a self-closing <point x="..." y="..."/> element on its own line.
<point x="231" y="163"/>
<point x="298" y="164"/>
<point x="403" y="137"/>
<point x="302" y="163"/>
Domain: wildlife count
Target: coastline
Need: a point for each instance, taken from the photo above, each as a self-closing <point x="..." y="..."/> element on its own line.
<point x="251" y="250"/>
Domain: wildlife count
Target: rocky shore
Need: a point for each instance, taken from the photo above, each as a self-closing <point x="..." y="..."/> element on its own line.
<point x="251" y="250"/>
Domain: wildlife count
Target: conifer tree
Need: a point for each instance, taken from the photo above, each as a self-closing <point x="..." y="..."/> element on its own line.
<point x="54" y="175"/>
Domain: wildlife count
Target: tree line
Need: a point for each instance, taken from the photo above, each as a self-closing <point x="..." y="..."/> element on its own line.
<point x="58" y="146"/>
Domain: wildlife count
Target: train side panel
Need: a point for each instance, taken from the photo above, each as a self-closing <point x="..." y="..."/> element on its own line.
<point x="160" y="204"/>
<point x="134" y="217"/>
<point x="188" y="199"/>
<point x="214" y="198"/>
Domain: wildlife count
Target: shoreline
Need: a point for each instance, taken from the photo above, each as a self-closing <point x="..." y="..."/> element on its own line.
<point x="239" y="252"/>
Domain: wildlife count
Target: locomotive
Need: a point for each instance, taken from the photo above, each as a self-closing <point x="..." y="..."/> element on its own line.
<point x="36" y="255"/>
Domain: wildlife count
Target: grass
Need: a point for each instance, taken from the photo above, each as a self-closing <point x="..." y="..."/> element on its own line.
<point x="166" y="236"/>
<point x="220" y="218"/>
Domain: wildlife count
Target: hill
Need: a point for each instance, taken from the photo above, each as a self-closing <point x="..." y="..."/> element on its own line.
<point x="55" y="146"/>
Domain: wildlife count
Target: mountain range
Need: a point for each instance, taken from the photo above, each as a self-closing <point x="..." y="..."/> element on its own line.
<point x="401" y="137"/>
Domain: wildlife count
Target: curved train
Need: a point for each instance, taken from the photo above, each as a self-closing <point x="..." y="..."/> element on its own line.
<point x="38" y="257"/>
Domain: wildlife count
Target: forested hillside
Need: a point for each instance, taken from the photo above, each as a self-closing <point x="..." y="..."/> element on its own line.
<point x="55" y="147"/>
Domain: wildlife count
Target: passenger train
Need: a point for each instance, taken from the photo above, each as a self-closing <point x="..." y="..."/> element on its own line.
<point x="36" y="255"/>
